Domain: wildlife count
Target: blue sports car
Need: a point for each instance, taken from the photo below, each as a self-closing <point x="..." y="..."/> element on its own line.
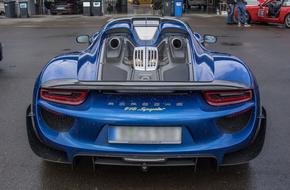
<point x="146" y="92"/>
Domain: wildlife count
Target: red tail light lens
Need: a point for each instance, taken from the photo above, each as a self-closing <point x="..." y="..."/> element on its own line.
<point x="222" y="98"/>
<point x="69" y="97"/>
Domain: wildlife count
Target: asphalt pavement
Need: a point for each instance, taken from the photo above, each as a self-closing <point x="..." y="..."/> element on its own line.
<point x="30" y="43"/>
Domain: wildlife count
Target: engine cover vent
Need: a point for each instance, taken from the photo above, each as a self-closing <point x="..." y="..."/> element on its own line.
<point x="139" y="58"/>
<point x="152" y="58"/>
<point x="145" y="58"/>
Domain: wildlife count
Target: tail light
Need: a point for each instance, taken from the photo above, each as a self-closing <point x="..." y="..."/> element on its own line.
<point x="69" y="97"/>
<point x="222" y="98"/>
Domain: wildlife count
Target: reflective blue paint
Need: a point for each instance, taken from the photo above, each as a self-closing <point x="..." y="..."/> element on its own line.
<point x="204" y="63"/>
<point x="200" y="134"/>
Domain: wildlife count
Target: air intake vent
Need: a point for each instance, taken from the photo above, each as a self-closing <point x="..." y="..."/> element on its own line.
<point x="57" y="121"/>
<point x="152" y="59"/>
<point x="139" y="58"/>
<point x="145" y="59"/>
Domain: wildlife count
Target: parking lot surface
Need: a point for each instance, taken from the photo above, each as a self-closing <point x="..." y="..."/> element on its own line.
<point x="30" y="43"/>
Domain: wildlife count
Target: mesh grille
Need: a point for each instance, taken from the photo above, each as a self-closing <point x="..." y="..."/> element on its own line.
<point x="57" y="121"/>
<point x="236" y="122"/>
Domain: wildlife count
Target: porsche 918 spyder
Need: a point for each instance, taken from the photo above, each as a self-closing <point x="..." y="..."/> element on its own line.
<point x="146" y="92"/>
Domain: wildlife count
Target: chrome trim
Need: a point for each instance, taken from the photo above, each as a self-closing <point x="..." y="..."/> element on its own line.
<point x="144" y="159"/>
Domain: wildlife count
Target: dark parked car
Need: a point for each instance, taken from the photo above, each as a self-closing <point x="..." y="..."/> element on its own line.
<point x="66" y="7"/>
<point x="199" y="3"/>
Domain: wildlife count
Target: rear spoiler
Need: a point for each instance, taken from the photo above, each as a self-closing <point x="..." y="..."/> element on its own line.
<point x="143" y="86"/>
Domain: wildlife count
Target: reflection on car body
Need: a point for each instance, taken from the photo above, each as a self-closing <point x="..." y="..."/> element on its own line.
<point x="146" y="92"/>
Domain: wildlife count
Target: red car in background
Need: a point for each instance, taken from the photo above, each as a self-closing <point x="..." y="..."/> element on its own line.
<point x="268" y="11"/>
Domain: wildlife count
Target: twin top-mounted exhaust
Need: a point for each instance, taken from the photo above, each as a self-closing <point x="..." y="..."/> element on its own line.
<point x="145" y="58"/>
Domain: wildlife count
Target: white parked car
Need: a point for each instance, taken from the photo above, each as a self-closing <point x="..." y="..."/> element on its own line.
<point x="200" y="3"/>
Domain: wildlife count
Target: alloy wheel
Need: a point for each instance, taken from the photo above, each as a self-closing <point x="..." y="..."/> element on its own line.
<point x="287" y="21"/>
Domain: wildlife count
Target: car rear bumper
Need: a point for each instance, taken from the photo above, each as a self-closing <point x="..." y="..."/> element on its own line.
<point x="238" y="154"/>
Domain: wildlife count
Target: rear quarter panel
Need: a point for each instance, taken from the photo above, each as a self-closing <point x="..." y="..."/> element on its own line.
<point x="253" y="12"/>
<point x="283" y="13"/>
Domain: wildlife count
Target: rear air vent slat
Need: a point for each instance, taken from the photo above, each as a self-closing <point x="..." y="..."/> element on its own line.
<point x="139" y="58"/>
<point x="152" y="59"/>
<point x="145" y="58"/>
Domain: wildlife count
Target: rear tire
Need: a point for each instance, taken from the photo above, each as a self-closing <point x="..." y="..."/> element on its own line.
<point x="287" y="21"/>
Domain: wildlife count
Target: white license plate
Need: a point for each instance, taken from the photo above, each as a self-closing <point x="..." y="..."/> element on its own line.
<point x="144" y="135"/>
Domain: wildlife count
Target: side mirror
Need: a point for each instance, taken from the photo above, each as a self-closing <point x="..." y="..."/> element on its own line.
<point x="198" y="36"/>
<point x="209" y="39"/>
<point x="83" y="39"/>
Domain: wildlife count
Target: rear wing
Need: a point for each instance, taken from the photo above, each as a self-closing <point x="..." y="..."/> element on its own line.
<point x="143" y="86"/>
